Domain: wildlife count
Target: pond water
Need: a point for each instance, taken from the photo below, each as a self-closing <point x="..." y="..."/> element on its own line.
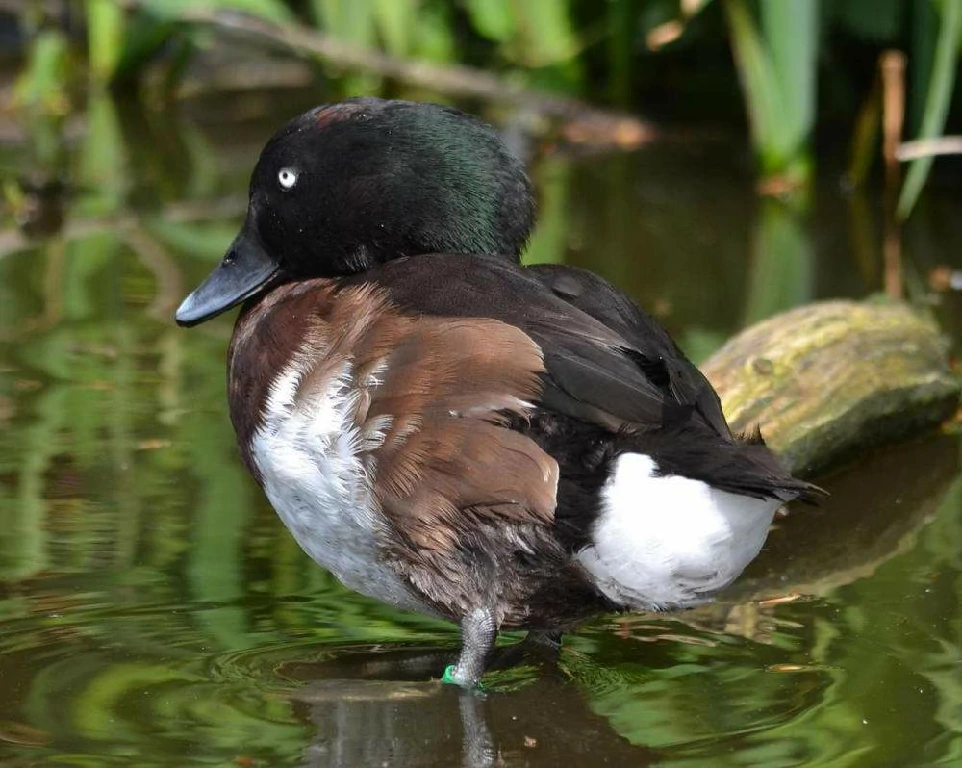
<point x="153" y="610"/>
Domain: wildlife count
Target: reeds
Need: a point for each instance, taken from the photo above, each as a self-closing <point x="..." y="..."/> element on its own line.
<point x="550" y="44"/>
<point x="777" y="65"/>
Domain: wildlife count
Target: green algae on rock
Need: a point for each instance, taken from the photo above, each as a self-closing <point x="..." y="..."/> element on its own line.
<point x="829" y="381"/>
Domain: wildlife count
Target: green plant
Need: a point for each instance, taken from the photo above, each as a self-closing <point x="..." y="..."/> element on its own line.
<point x="777" y="66"/>
<point x="938" y="96"/>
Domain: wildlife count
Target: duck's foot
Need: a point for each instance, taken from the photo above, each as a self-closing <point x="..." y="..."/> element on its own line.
<point x="538" y="646"/>
<point x="478" y="633"/>
<point x="544" y="640"/>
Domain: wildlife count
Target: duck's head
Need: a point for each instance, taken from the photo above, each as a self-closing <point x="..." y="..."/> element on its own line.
<point x="348" y="186"/>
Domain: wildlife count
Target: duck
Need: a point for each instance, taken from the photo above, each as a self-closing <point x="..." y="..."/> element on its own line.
<point x="448" y="431"/>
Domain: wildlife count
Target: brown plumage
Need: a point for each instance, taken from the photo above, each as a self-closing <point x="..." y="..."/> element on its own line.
<point x="435" y="398"/>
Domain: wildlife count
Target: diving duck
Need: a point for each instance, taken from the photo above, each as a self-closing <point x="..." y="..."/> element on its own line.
<point x="448" y="431"/>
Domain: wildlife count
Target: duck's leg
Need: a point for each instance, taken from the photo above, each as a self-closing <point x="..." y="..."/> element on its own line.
<point x="478" y="633"/>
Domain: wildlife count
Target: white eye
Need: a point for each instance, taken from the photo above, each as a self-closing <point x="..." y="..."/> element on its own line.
<point x="287" y="177"/>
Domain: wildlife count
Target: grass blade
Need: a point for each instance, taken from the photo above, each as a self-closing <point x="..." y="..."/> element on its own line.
<point x="936" y="101"/>
<point x="778" y="78"/>
<point x="792" y="34"/>
<point x="756" y="72"/>
<point x="105" y="35"/>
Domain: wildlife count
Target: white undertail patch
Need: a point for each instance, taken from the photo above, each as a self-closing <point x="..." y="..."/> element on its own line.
<point x="670" y="541"/>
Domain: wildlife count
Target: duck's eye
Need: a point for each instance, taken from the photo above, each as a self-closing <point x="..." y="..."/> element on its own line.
<point x="287" y="177"/>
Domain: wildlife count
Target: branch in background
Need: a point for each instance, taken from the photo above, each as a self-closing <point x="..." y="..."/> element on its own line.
<point x="13" y="240"/>
<point x="581" y="121"/>
<point x="892" y="74"/>
<point x="892" y="71"/>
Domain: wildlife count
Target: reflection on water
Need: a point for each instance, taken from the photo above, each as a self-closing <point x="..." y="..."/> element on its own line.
<point x="154" y="612"/>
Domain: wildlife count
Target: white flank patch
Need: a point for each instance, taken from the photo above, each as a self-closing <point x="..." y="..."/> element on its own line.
<point x="670" y="541"/>
<point x="309" y="454"/>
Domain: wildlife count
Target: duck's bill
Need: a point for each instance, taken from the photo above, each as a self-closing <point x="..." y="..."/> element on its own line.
<point x="246" y="270"/>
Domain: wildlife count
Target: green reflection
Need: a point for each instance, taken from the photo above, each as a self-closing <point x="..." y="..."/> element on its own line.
<point x="153" y="611"/>
<point x="782" y="263"/>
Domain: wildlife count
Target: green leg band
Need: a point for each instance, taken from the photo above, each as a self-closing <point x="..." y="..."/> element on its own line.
<point x="449" y="678"/>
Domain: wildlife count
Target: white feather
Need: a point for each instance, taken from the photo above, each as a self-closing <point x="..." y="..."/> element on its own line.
<point x="310" y="457"/>
<point x="670" y="541"/>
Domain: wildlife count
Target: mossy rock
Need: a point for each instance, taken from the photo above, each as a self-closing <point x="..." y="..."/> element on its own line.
<point x="830" y="381"/>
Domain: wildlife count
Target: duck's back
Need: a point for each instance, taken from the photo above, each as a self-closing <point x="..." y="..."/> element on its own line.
<point x="611" y="369"/>
<point x="654" y="350"/>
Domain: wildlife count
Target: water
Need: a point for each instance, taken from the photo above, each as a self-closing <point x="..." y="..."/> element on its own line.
<point x="153" y="611"/>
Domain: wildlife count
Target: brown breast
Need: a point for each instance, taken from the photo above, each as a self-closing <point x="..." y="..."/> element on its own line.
<point x="433" y="398"/>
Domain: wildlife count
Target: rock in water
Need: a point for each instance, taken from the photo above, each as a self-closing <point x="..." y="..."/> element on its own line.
<point x="829" y="381"/>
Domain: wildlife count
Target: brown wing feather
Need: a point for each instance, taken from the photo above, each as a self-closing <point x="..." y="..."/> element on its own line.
<point x="446" y="387"/>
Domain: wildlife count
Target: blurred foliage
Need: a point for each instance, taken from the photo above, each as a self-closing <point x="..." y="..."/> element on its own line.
<point x="570" y="46"/>
<point x="782" y="273"/>
<point x="42" y="86"/>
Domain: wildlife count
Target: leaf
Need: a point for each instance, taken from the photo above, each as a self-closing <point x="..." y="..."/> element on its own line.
<point x="778" y="79"/>
<point x="493" y="19"/>
<point x="397" y="23"/>
<point x="546" y="32"/>
<point x="756" y="71"/>
<point x="42" y="82"/>
<point x="105" y="37"/>
<point x="352" y="22"/>
<point x="435" y="35"/>
<point x="937" y="100"/>
<point x="145" y="39"/>
<point x="791" y="33"/>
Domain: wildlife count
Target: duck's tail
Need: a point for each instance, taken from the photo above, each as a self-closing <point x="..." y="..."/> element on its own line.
<point x="744" y="466"/>
<point x="787" y="486"/>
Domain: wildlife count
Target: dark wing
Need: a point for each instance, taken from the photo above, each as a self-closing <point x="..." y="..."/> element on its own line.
<point x="665" y="365"/>
<point x="752" y="470"/>
<point x="592" y="372"/>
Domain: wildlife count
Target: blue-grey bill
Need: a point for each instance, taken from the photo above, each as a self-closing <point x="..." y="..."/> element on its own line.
<point x="245" y="271"/>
